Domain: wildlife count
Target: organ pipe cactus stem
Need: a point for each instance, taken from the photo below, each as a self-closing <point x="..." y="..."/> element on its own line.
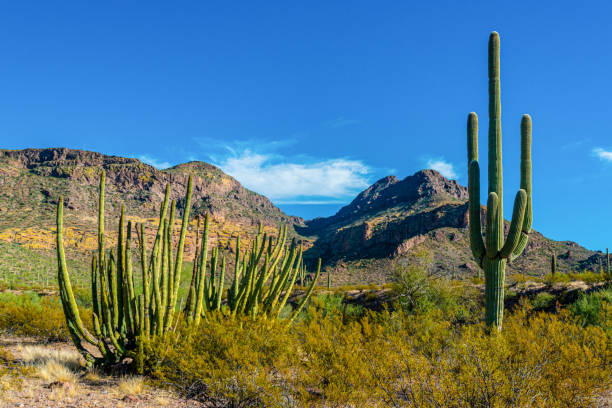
<point x="298" y="310"/>
<point x="495" y="251"/>
<point x="196" y="316"/>
<point x="68" y="301"/>
<point x="123" y="319"/>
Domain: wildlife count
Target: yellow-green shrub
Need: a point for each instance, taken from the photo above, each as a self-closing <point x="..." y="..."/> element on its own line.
<point x="236" y="362"/>
<point x="39" y="317"/>
<point x="390" y="359"/>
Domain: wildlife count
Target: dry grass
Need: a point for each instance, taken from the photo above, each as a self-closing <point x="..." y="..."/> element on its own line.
<point x="40" y="355"/>
<point x="93" y="376"/>
<point x="51" y="364"/>
<point x="131" y="385"/>
<point x="54" y="371"/>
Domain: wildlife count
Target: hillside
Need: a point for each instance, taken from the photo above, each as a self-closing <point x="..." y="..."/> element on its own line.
<point x="392" y="218"/>
<point x="31" y="181"/>
<point x="387" y="222"/>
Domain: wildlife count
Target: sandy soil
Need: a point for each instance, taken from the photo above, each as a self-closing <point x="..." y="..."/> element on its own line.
<point x="46" y="375"/>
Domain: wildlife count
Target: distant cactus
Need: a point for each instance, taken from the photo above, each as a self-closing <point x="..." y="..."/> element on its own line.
<point x="493" y="253"/>
<point x="601" y="270"/>
<point x="553" y="264"/>
<point x="123" y="319"/>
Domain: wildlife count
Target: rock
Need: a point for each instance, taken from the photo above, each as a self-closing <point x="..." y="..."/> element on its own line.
<point x="392" y="217"/>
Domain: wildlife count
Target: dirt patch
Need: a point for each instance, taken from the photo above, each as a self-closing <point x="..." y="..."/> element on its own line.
<point x="49" y="375"/>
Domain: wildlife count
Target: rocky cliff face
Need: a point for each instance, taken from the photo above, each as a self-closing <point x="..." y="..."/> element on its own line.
<point x="392" y="219"/>
<point x="31" y="181"/>
<point x="140" y="185"/>
<point x="421" y="189"/>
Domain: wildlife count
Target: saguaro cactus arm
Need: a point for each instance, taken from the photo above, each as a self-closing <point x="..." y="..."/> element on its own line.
<point x="477" y="244"/>
<point x="516" y="225"/>
<point x="525" y="185"/>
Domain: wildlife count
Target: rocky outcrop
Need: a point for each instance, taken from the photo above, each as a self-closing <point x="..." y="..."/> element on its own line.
<point x="393" y="218"/>
<point x="422" y="187"/>
<point x="45" y="173"/>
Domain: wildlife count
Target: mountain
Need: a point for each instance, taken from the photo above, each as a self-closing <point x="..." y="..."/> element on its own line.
<point x="31" y="181"/>
<point x="392" y="219"/>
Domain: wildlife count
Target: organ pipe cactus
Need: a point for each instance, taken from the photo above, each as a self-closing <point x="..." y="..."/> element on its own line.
<point x="123" y="319"/>
<point x="494" y="251"/>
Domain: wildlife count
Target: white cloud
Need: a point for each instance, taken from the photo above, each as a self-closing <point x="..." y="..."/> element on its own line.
<point x="160" y="165"/>
<point x="445" y="168"/>
<point x="296" y="181"/>
<point x="603" y="154"/>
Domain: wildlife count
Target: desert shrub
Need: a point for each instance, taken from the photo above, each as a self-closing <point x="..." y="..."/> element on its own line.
<point x="11" y="373"/>
<point x="517" y="278"/>
<point x="585" y="276"/>
<point x="395" y="358"/>
<point x="543" y="301"/>
<point x="418" y="292"/>
<point x="237" y="363"/>
<point x="594" y="308"/>
<point x="329" y="304"/>
<point x="28" y="314"/>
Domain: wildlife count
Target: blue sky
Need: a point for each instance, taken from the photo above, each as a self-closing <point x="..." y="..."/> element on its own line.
<point x="310" y="102"/>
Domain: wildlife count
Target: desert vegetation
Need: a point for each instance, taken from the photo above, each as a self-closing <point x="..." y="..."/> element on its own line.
<point x="250" y="322"/>
<point x="428" y="348"/>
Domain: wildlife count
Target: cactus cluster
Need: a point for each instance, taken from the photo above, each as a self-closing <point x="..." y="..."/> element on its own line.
<point x="123" y="319"/>
<point x="494" y="251"/>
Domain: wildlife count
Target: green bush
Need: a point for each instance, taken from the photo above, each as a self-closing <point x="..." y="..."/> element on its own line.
<point x="28" y="314"/>
<point x="594" y="308"/>
<point x="543" y="301"/>
<point x="418" y="292"/>
<point x="387" y="359"/>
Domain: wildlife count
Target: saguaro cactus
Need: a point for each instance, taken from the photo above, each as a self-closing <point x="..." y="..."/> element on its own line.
<point x="553" y="264"/>
<point x="494" y="252"/>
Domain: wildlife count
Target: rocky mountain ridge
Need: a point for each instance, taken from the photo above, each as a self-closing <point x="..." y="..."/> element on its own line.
<point x="31" y="181"/>
<point x="393" y="218"/>
<point x="390" y="221"/>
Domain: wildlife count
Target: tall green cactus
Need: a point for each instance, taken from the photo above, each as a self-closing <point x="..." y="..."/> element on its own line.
<point x="123" y="319"/>
<point x="494" y="252"/>
<point x="553" y="264"/>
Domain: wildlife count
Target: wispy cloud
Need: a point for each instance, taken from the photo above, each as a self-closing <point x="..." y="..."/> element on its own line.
<point x="285" y="178"/>
<point x="605" y="155"/>
<point x="154" y="162"/>
<point x="443" y="167"/>
<point x="341" y="122"/>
